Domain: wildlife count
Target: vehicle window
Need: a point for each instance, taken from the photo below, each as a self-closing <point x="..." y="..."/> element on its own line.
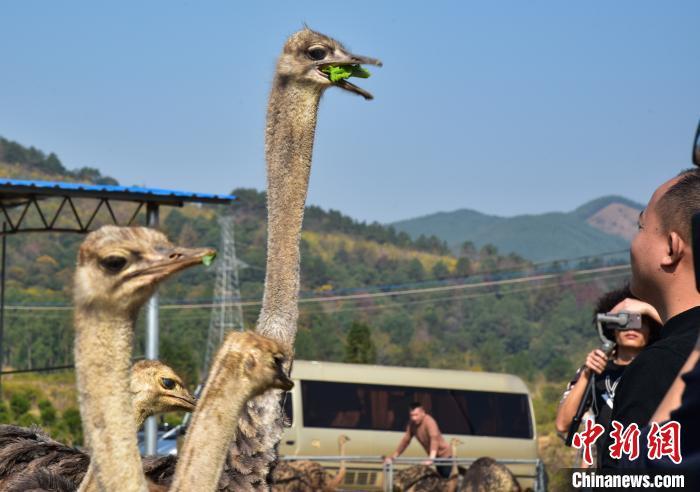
<point x="380" y="407"/>
<point x="288" y="408"/>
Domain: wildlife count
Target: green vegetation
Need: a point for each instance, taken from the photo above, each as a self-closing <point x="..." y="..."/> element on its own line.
<point x="46" y="400"/>
<point x="539" y="331"/>
<point x="359" y="347"/>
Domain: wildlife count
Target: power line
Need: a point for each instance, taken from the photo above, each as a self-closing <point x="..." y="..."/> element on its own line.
<point x="39" y="369"/>
<point x="609" y="273"/>
<point x="400" y="304"/>
<point x="367" y="295"/>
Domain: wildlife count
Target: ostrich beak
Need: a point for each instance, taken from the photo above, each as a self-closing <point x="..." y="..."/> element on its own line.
<point x="351" y="59"/>
<point x="282" y="381"/>
<point x="172" y="260"/>
<point x="182" y="402"/>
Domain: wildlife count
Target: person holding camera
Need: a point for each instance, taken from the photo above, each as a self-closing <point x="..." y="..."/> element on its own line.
<point x="607" y="371"/>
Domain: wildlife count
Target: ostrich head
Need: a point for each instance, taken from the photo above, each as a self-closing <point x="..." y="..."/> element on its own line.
<point x="120" y="267"/>
<point x="306" y="52"/>
<point x="156" y="388"/>
<point x="263" y="361"/>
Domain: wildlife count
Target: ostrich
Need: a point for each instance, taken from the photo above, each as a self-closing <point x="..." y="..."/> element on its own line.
<point x="250" y="365"/>
<point x="453" y="481"/>
<point x="308" y="475"/>
<point x="291" y="122"/>
<point x="155" y="387"/>
<point x="297" y="88"/>
<point x="118" y="269"/>
<point x="246" y="365"/>
<point x="422" y="478"/>
<point x="417" y="478"/>
<point x="485" y="475"/>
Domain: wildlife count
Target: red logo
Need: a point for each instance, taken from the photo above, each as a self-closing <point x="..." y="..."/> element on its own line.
<point x="586" y="439"/>
<point x="624" y="441"/>
<point x="665" y="440"/>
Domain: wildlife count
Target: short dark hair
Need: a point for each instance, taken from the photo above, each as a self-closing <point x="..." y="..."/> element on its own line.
<point x="612" y="298"/>
<point x="415" y="404"/>
<point x="680" y="202"/>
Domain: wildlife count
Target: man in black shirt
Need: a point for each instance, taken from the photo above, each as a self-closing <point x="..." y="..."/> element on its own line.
<point x="663" y="275"/>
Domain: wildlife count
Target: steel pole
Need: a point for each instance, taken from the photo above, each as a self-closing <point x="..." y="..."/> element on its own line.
<point x="2" y="302"/>
<point x="151" y="426"/>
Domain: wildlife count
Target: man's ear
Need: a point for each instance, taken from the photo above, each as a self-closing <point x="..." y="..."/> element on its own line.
<point x="675" y="250"/>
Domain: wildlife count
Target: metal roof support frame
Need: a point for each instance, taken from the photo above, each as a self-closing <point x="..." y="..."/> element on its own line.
<point x="23" y="193"/>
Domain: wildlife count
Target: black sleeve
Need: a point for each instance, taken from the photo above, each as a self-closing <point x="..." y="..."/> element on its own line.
<point x="687" y="414"/>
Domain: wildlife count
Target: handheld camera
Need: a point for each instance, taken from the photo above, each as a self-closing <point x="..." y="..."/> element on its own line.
<point x="621" y="321"/>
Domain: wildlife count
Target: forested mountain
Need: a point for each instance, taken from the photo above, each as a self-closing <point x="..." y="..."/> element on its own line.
<point x="527" y="328"/>
<point x="413" y="302"/>
<point x="600" y="226"/>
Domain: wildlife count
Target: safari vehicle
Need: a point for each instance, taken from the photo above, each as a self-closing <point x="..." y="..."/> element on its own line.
<point x="490" y="413"/>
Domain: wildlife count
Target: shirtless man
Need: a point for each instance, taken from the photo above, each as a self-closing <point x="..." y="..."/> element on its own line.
<point x="424" y="428"/>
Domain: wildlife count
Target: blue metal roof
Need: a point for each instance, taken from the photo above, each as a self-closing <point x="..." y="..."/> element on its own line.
<point x="13" y="189"/>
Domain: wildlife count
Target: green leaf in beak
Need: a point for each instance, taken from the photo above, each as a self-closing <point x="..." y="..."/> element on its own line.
<point x="342" y="72"/>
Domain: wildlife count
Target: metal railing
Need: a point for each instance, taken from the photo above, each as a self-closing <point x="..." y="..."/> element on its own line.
<point x="388" y="469"/>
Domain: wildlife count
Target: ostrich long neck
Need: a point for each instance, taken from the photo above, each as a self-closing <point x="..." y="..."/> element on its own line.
<point x="340" y="476"/>
<point x="454" y="470"/>
<point x="141" y="411"/>
<point x="291" y="124"/>
<point x="289" y="139"/>
<point x="103" y="360"/>
<point x="214" y="423"/>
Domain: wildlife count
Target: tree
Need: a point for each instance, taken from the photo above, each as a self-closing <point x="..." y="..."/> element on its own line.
<point x="5" y="417"/>
<point x="19" y="403"/>
<point x="53" y="164"/>
<point x="48" y="412"/>
<point x="415" y="270"/>
<point x="522" y="365"/>
<point x="558" y="369"/>
<point x="463" y="267"/>
<point x="440" y="270"/>
<point x="359" y="347"/>
<point x="467" y="250"/>
<point x="71" y="419"/>
<point x="488" y="250"/>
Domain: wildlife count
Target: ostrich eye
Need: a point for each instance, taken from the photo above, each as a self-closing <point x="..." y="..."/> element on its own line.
<point x="317" y="53"/>
<point x="167" y="383"/>
<point x="113" y="263"/>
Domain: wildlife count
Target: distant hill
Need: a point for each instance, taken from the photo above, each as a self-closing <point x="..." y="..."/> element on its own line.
<point x="602" y="225"/>
<point x="31" y="163"/>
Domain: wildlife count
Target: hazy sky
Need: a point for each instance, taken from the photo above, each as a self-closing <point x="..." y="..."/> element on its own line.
<point x="504" y="107"/>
